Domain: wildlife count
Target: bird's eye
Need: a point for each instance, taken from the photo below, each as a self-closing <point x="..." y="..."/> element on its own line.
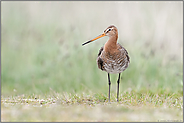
<point x="107" y="30"/>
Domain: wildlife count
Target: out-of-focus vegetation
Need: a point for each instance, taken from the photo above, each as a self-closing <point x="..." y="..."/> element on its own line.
<point x="132" y="106"/>
<point x="41" y="49"/>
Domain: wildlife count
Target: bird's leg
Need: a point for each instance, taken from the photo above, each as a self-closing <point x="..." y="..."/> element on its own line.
<point x="118" y="88"/>
<point x="109" y="85"/>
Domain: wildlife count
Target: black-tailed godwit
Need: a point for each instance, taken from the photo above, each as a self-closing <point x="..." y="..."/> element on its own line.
<point x="112" y="57"/>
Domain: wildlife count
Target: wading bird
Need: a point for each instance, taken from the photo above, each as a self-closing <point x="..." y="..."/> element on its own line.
<point x="112" y="57"/>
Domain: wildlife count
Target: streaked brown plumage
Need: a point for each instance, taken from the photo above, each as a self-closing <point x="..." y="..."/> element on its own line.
<point x="112" y="57"/>
<point x="113" y="62"/>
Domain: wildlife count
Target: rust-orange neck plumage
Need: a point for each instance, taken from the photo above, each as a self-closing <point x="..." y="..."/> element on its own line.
<point x="111" y="44"/>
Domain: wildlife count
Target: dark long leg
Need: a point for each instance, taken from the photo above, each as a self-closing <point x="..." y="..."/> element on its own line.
<point x="109" y="85"/>
<point x="118" y="88"/>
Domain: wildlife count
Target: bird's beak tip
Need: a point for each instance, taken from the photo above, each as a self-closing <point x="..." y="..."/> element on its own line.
<point x="86" y="43"/>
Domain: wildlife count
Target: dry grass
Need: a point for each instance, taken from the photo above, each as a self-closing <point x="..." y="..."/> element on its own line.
<point x="72" y="107"/>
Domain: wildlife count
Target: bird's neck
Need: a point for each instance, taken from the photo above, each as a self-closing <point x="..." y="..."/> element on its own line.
<point x="111" y="44"/>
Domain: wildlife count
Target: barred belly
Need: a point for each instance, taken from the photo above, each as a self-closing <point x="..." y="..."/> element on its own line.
<point x="115" y="66"/>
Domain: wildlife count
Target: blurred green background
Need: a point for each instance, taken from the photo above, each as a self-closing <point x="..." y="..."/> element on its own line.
<point x="42" y="52"/>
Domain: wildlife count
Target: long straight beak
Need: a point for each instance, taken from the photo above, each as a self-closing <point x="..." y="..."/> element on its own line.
<point x="102" y="35"/>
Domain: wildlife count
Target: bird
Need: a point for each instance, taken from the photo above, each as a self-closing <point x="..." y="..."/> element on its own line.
<point x="112" y="57"/>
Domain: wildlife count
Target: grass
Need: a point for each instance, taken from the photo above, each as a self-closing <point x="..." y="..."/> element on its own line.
<point x="46" y="74"/>
<point x="132" y="106"/>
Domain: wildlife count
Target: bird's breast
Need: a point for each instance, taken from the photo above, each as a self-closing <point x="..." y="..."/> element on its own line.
<point x="114" y="62"/>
